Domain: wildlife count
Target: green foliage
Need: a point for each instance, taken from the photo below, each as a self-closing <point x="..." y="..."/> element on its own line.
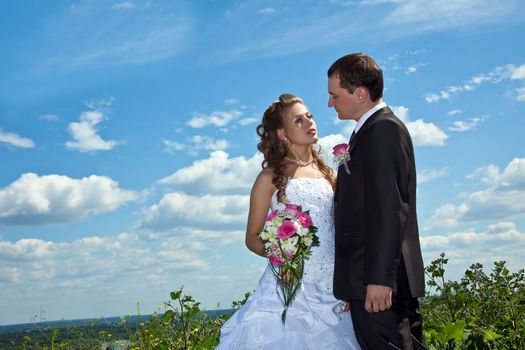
<point x="87" y="335"/>
<point x="237" y="304"/>
<point x="479" y="312"/>
<point x="182" y="326"/>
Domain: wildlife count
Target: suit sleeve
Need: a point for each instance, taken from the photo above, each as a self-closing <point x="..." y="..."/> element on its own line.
<point x="386" y="207"/>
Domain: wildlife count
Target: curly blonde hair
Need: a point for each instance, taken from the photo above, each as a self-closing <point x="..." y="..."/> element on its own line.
<point x="275" y="151"/>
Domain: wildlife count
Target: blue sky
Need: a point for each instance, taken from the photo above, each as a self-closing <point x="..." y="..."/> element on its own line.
<point x="128" y="145"/>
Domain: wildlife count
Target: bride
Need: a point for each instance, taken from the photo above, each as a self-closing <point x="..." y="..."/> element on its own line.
<point x="293" y="172"/>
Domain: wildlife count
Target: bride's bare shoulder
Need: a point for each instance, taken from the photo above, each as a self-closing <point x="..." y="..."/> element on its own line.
<point x="265" y="180"/>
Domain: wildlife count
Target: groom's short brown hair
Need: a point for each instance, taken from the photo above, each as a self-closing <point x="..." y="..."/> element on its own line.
<point x="357" y="70"/>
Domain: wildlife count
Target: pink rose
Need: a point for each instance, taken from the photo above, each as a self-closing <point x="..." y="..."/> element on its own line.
<point x="340" y="150"/>
<point x="305" y="219"/>
<point x="274" y="259"/>
<point x="292" y="209"/>
<point x="272" y="215"/>
<point x="286" y="230"/>
<point x="288" y="254"/>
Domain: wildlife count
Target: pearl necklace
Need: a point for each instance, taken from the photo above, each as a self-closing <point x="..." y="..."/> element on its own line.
<point x="299" y="163"/>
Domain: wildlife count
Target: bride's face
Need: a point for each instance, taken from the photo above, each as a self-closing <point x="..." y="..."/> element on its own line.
<point x="299" y="125"/>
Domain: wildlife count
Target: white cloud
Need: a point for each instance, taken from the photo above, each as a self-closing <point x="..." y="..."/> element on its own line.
<point x="217" y="174"/>
<point x="85" y="132"/>
<point x="183" y="259"/>
<point x="133" y="33"/>
<point x="10" y="274"/>
<point x="437" y="15"/>
<point x="49" y="117"/>
<point x="178" y="209"/>
<point x="361" y="2"/>
<point x="454" y="112"/>
<point x="446" y="216"/>
<point x="15" y="140"/>
<point x="327" y="144"/>
<point x="92" y="262"/>
<point x="266" y="11"/>
<point x="504" y="198"/>
<point x="513" y="177"/>
<point x="28" y="249"/>
<point x="500" y="241"/>
<point x="431" y="97"/>
<point x="125" y="5"/>
<point x="499" y="233"/>
<point x="426" y="134"/>
<point x="248" y="121"/>
<point x="392" y="19"/>
<point x="518" y="73"/>
<point x="174" y="146"/>
<point x="411" y="70"/>
<point x="33" y="199"/>
<point x="280" y="37"/>
<point x="206" y="142"/>
<point x="196" y="238"/>
<point x="104" y="275"/>
<point x="416" y="52"/>
<point x="217" y="119"/>
<point x="465" y="125"/>
<point x="422" y="133"/>
<point x="197" y="143"/>
<point x="497" y="75"/>
<point x="208" y="239"/>
<point x="430" y="174"/>
<point x="520" y="94"/>
<point x="489" y="175"/>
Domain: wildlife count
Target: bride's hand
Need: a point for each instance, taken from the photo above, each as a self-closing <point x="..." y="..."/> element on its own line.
<point x="347" y="307"/>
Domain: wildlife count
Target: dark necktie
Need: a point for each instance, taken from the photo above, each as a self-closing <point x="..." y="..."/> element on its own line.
<point x="346" y="160"/>
<point x="352" y="137"/>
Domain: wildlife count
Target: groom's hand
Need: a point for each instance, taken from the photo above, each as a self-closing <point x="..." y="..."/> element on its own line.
<point x="378" y="298"/>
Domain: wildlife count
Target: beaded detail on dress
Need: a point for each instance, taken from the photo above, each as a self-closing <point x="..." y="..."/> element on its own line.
<point x="315" y="195"/>
<point x="312" y="320"/>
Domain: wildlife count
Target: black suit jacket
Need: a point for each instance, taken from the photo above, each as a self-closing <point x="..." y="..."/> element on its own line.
<point x="376" y="232"/>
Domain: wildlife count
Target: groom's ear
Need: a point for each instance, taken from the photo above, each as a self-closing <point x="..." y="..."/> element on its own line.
<point x="362" y="94"/>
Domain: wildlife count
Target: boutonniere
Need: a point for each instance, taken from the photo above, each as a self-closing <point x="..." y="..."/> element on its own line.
<point x="341" y="154"/>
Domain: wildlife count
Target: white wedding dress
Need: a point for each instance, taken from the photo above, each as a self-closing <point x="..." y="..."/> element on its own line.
<point x="312" y="321"/>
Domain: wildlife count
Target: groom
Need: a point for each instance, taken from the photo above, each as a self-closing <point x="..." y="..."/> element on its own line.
<point x="378" y="263"/>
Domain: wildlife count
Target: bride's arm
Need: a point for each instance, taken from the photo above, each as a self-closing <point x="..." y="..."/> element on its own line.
<point x="260" y="199"/>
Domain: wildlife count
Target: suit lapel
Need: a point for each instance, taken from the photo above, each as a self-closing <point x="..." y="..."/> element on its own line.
<point x="370" y="121"/>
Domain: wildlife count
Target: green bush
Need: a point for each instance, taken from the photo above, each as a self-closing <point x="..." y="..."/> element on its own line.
<point x="182" y="326"/>
<point x="478" y="312"/>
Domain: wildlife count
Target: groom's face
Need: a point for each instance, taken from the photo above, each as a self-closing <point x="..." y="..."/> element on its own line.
<point x="344" y="103"/>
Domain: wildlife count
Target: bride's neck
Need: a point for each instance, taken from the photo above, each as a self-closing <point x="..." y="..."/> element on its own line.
<point x="304" y="154"/>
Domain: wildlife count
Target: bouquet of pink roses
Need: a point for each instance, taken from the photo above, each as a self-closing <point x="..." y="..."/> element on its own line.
<point x="288" y="237"/>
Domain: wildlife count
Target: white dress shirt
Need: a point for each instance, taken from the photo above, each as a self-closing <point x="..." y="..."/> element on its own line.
<point x="367" y="115"/>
